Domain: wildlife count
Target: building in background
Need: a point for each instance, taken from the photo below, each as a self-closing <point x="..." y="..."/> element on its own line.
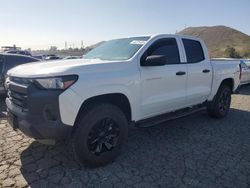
<point x="10" y="48"/>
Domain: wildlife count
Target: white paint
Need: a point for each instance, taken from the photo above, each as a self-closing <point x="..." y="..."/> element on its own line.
<point x="150" y="90"/>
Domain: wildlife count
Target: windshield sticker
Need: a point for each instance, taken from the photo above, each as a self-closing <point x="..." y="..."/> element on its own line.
<point x="138" y="42"/>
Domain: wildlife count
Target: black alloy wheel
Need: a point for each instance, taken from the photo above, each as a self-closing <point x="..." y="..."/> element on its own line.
<point x="224" y="101"/>
<point x="103" y="136"/>
<point x="220" y="105"/>
<point x="100" y="134"/>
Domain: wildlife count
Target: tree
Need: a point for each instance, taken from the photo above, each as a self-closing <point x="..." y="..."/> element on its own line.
<point x="246" y="54"/>
<point x="53" y="48"/>
<point x="232" y="53"/>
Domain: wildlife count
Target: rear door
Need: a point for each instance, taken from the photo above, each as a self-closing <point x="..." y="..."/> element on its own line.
<point x="199" y="67"/>
<point x="163" y="88"/>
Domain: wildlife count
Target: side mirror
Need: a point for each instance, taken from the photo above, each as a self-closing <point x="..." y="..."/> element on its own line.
<point x="155" y="60"/>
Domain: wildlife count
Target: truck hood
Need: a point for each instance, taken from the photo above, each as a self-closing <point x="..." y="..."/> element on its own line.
<point x="59" y="67"/>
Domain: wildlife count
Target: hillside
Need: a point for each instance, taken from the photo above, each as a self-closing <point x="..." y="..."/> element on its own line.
<point x="218" y="38"/>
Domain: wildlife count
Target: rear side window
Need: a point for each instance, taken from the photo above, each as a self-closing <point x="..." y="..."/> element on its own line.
<point x="167" y="47"/>
<point x="194" y="51"/>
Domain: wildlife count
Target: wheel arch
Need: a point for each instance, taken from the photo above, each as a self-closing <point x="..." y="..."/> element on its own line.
<point x="118" y="99"/>
<point x="228" y="82"/>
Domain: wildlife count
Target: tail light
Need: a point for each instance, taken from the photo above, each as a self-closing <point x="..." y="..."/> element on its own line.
<point x="240" y="71"/>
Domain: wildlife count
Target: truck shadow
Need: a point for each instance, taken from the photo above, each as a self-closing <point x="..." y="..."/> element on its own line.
<point x="150" y="152"/>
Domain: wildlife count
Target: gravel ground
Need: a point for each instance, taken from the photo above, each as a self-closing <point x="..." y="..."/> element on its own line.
<point x="194" y="151"/>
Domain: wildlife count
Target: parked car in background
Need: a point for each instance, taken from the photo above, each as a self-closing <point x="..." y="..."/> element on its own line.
<point x="21" y="52"/>
<point x="40" y="57"/>
<point x="51" y="57"/>
<point x="247" y="62"/>
<point x="139" y="81"/>
<point x="73" y="57"/>
<point x="245" y="75"/>
<point x="8" y="61"/>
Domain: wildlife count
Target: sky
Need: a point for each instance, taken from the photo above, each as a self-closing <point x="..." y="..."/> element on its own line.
<point x="39" y="24"/>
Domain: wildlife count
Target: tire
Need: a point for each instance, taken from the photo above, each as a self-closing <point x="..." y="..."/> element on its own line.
<point x="219" y="107"/>
<point x="100" y="135"/>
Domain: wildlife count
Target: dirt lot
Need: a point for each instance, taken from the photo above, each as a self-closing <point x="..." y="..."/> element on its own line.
<point x="194" y="151"/>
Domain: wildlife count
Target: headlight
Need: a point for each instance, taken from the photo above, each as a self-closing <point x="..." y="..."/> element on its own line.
<point x="6" y="83"/>
<point x="57" y="83"/>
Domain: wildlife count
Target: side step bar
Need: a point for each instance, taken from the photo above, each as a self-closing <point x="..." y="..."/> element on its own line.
<point x="169" y="116"/>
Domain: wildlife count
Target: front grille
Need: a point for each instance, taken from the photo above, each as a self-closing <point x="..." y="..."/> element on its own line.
<point x="20" y="81"/>
<point x="18" y="91"/>
<point x="17" y="98"/>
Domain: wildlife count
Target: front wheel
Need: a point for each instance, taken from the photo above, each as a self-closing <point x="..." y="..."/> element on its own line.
<point x="100" y="135"/>
<point x="219" y="107"/>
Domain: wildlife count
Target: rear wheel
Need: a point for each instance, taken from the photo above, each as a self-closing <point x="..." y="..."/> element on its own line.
<point x="100" y="135"/>
<point x="220" y="105"/>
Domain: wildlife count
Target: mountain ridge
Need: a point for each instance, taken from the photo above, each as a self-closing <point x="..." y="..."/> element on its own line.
<point x="219" y="38"/>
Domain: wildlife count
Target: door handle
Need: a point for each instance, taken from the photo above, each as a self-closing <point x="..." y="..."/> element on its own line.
<point x="154" y="78"/>
<point x="206" y="71"/>
<point x="180" y="73"/>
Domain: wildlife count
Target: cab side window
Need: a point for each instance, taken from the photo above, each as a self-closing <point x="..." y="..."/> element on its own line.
<point x="194" y="51"/>
<point x="167" y="47"/>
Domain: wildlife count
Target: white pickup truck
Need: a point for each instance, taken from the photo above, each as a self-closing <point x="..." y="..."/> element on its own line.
<point x="137" y="81"/>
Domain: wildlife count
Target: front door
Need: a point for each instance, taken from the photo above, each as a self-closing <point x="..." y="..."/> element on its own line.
<point x="163" y="87"/>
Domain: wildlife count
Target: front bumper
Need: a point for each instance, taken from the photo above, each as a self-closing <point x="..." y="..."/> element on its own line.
<point x="40" y="119"/>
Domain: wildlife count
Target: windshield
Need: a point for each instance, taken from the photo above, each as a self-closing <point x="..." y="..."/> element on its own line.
<point x="118" y="49"/>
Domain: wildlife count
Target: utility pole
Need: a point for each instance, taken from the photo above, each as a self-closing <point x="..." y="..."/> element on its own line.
<point x="66" y="45"/>
<point x="82" y="44"/>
